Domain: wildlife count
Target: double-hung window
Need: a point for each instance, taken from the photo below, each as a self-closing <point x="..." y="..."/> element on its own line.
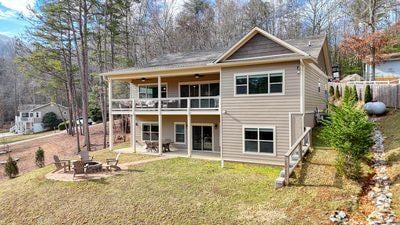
<point x="259" y="139"/>
<point x="259" y="83"/>
<point x="150" y="132"/>
<point x="180" y="130"/>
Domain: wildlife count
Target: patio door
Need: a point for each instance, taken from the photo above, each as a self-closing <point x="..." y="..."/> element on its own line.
<point x="202" y="137"/>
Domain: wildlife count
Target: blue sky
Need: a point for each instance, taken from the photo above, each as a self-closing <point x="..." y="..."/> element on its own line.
<point x="10" y="10"/>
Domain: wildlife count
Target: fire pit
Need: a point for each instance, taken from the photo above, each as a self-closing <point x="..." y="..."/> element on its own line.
<point x="93" y="166"/>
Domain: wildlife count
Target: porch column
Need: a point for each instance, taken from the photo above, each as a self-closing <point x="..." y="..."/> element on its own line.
<point x="189" y="130"/>
<point x="159" y="117"/>
<point x="133" y="127"/>
<point x="111" y="117"/>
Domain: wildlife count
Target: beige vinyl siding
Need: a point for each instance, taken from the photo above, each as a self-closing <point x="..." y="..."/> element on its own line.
<point x="169" y="123"/>
<point x="313" y="98"/>
<point x="172" y="83"/>
<point x="257" y="46"/>
<point x="58" y="110"/>
<point x="270" y="110"/>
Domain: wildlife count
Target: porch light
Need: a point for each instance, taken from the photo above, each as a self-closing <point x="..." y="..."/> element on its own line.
<point x="143" y="79"/>
<point x="197" y="76"/>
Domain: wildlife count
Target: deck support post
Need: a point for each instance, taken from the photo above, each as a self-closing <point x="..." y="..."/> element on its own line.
<point x="111" y="117"/>
<point x="133" y="127"/>
<point x="189" y="130"/>
<point x="159" y="117"/>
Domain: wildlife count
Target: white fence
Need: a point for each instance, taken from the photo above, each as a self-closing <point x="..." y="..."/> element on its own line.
<point x="382" y="91"/>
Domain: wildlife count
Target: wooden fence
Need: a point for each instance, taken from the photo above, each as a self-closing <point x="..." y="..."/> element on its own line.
<point x="383" y="92"/>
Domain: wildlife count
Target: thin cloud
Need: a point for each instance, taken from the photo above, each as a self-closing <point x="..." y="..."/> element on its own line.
<point x="7" y="14"/>
<point x="21" y="6"/>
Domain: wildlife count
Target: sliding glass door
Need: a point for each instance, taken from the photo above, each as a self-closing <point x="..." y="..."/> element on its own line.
<point x="202" y="138"/>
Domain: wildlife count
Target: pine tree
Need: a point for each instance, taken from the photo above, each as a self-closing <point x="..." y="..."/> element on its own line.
<point x="347" y="94"/>
<point x="368" y="94"/>
<point x="355" y="94"/>
<point x="332" y="92"/>
<point x="39" y="157"/>
<point x="11" y="168"/>
<point x="337" y="93"/>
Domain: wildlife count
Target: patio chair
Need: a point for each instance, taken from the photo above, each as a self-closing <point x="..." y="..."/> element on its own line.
<point x="151" y="146"/>
<point x="79" y="168"/>
<point x="113" y="163"/>
<point x="61" y="164"/>
<point x="85" y="157"/>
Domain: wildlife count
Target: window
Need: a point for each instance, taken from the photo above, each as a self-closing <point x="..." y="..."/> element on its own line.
<point x="151" y="91"/>
<point x="150" y="132"/>
<point x="37" y="115"/>
<point x="260" y="83"/>
<point x="199" y="94"/>
<point x="180" y="129"/>
<point x="25" y="114"/>
<point x="259" y="140"/>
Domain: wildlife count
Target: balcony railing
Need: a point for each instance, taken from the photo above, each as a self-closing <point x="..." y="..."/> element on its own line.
<point x="168" y="104"/>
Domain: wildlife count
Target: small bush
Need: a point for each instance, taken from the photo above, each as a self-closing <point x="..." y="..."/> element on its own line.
<point x="355" y="94"/>
<point x="368" y="94"/>
<point x="50" y="120"/>
<point x="39" y="157"/>
<point x="350" y="132"/>
<point x="63" y="125"/>
<point x="332" y="92"/>
<point x="11" y="168"/>
<point x="337" y="93"/>
<point x="347" y="94"/>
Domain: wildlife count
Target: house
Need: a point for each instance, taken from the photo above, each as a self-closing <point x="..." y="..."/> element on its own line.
<point x="248" y="103"/>
<point x="29" y="119"/>
<point x="389" y="69"/>
<point x="351" y="78"/>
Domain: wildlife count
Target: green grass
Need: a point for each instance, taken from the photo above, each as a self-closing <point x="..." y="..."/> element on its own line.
<point x="390" y="127"/>
<point x="22" y="137"/>
<point x="182" y="191"/>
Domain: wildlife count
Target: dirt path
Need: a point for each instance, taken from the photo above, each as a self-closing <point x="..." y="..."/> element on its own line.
<point x="60" y="144"/>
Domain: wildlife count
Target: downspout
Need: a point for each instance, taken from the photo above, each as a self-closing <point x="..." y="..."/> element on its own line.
<point x="302" y="90"/>
<point x="220" y="119"/>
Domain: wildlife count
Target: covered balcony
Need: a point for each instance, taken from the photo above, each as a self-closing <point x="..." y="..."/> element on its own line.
<point x="196" y="94"/>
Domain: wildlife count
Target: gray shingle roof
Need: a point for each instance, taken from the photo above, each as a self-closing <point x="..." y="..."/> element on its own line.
<point x="202" y="58"/>
<point x="27" y="107"/>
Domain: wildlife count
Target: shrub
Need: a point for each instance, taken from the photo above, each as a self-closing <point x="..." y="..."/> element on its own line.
<point x="50" y="120"/>
<point x="39" y="157"/>
<point x="95" y="113"/>
<point x="368" y="94"/>
<point x="332" y="92"/>
<point x="350" y="132"/>
<point x="63" y="125"/>
<point x="347" y="94"/>
<point x="355" y="94"/>
<point x="337" y="93"/>
<point x="11" y="168"/>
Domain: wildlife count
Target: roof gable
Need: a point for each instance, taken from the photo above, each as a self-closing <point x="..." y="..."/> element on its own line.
<point x="259" y="46"/>
<point x="251" y="43"/>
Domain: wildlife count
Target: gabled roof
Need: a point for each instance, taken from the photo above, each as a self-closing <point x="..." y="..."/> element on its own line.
<point x="34" y="107"/>
<point x="308" y="47"/>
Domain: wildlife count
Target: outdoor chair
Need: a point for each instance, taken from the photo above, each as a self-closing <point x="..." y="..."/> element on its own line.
<point x="61" y="164"/>
<point x="79" y="168"/>
<point x="166" y="145"/>
<point x="113" y="163"/>
<point x="85" y="157"/>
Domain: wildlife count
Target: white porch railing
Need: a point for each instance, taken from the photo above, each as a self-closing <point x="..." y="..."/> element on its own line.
<point x="168" y="104"/>
<point x="296" y="153"/>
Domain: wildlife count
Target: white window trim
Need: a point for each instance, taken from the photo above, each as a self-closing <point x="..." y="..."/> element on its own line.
<point x="258" y="127"/>
<point x="151" y="84"/>
<point x="259" y="73"/>
<point x="184" y="132"/>
<point x="141" y="129"/>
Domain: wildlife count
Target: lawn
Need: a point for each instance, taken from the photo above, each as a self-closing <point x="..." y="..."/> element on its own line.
<point x="182" y="191"/>
<point x="390" y="127"/>
<point x="22" y="137"/>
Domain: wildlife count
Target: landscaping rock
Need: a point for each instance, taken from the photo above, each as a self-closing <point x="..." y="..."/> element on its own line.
<point x="339" y="217"/>
<point x="380" y="193"/>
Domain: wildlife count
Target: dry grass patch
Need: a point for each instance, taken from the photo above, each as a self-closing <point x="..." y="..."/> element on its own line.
<point x="390" y="125"/>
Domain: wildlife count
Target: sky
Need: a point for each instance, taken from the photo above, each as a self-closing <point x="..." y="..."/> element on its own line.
<point x="10" y="10"/>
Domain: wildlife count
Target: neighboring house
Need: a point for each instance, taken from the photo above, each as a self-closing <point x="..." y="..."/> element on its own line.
<point x="389" y="69"/>
<point x="352" y="77"/>
<point x="249" y="103"/>
<point x="30" y="117"/>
